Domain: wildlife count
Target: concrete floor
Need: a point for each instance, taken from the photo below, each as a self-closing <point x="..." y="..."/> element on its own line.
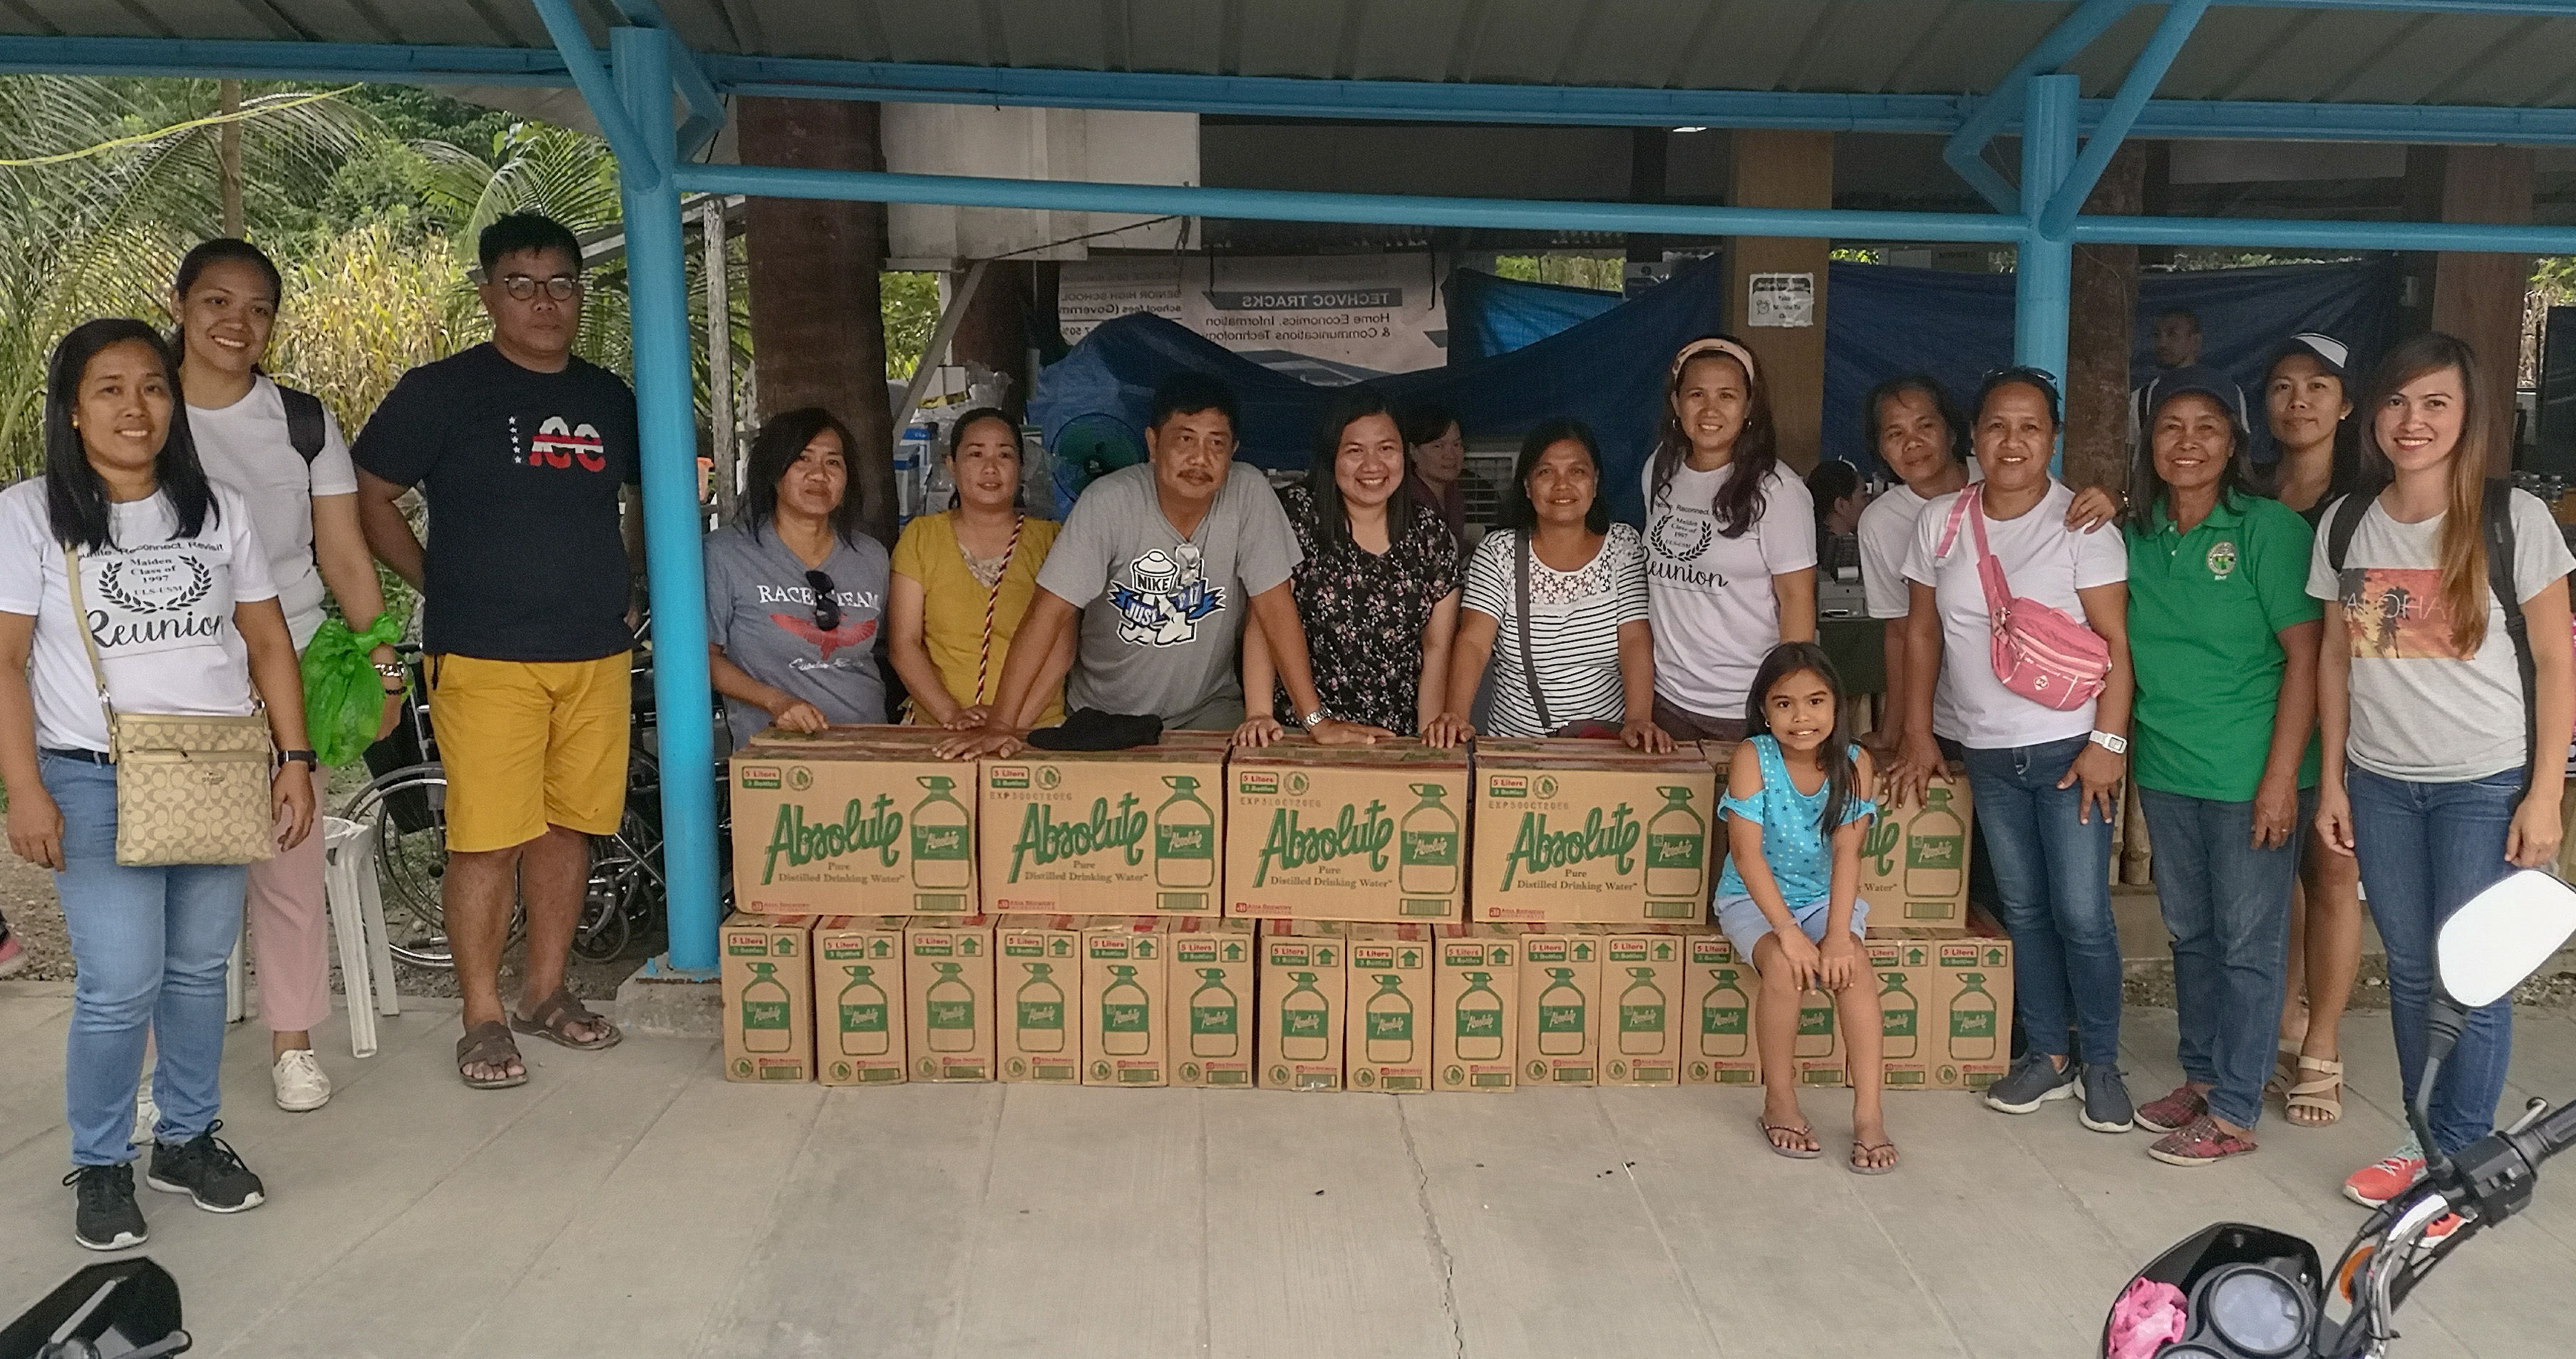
<point x="632" y="1203"/>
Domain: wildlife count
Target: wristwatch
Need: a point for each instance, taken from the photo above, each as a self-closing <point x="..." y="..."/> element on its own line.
<point x="1312" y="720"/>
<point x="2117" y="745"/>
<point x="305" y="757"/>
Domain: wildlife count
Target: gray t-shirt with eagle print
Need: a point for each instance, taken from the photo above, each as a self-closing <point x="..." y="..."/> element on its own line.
<point x="760" y="610"/>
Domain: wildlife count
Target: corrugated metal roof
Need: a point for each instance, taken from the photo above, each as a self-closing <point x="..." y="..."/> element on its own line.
<point x="2243" y="51"/>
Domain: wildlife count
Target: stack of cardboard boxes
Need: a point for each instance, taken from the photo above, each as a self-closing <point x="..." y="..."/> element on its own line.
<point x="1382" y="918"/>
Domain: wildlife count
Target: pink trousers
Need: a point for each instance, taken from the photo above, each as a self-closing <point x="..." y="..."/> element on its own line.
<point x="290" y="932"/>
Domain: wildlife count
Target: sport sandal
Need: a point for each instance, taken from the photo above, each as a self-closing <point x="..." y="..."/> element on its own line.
<point x="2322" y="1097"/>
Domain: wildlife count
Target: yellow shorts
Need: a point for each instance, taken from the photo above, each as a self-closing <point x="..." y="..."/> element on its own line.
<point x="529" y="744"/>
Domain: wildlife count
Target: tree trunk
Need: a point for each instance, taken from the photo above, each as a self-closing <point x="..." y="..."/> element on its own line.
<point x="817" y="323"/>
<point x="2100" y="332"/>
<point x="228" y="157"/>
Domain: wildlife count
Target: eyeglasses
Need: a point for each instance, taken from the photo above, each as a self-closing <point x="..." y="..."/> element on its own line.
<point x="561" y="287"/>
<point x="827" y="603"/>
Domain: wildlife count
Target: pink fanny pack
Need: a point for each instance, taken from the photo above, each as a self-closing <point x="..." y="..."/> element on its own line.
<point x="2038" y="652"/>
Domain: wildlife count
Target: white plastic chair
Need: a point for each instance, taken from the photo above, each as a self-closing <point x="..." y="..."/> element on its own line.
<point x="358" y="927"/>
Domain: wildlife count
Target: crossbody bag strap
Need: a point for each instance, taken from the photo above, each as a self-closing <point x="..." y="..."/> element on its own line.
<point x="1525" y="550"/>
<point x="2497" y="526"/>
<point x="89" y="644"/>
<point x="1998" y="590"/>
<point x="992" y="603"/>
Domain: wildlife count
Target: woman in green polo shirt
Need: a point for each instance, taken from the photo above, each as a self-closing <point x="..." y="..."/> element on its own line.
<point x="2224" y="640"/>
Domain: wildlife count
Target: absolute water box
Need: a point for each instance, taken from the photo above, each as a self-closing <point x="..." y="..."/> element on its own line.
<point x="1301" y="996"/>
<point x="1123" y="995"/>
<point x="1110" y="832"/>
<point x="1590" y="831"/>
<point x="1387" y="1007"/>
<point x="1972" y="1007"/>
<point x="1346" y="832"/>
<point x="1642" y="1015"/>
<point x="768" y="994"/>
<point x="1901" y="970"/>
<point x="1209" y="1015"/>
<point x="1037" y="990"/>
<point x="948" y="990"/>
<point x="1560" y="1005"/>
<point x="1718" y="990"/>
<point x="855" y="820"/>
<point x="859" y="1030"/>
<point x="1475" y="1005"/>
<point x="1914" y="861"/>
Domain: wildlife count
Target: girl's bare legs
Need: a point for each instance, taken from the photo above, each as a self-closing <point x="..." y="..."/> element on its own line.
<point x="1857" y="1003"/>
<point x="1775" y="1027"/>
<point x="2331" y="884"/>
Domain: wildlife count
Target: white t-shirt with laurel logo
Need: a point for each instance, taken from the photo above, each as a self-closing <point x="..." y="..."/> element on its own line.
<point x="160" y="609"/>
<point x="1714" y="611"/>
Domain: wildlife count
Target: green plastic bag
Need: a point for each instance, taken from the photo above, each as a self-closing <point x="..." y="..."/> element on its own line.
<point x="344" y="697"/>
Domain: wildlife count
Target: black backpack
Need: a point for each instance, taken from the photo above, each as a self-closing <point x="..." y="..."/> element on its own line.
<point x="2495" y="517"/>
<point x="304" y="427"/>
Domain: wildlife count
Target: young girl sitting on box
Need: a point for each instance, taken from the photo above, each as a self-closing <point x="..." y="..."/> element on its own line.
<point x="1789" y="898"/>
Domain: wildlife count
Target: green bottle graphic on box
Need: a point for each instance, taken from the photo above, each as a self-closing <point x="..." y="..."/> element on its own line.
<point x="1676" y="846"/>
<point x="1184" y="837"/>
<point x="1389" y="1015"/>
<point x="1560" y="1015"/>
<point x="1305" y="1021"/>
<point x="1723" y="1031"/>
<point x="864" y="1032"/>
<point x="1427" y="846"/>
<point x="1897" y="1018"/>
<point x="1480" y="1020"/>
<point x="1972" y="1020"/>
<point x="1936" y="848"/>
<point x="1641" y="1015"/>
<point x="951" y="1005"/>
<point x="1040" y="1009"/>
<point x="942" y="850"/>
<point x="1815" y="1025"/>
<point x="764" y="1011"/>
<point x="1215" y="1027"/>
<point x="1125" y="1018"/>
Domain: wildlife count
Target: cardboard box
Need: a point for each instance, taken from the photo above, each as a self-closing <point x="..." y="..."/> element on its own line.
<point x="1914" y="862"/>
<point x="1346" y="832"/>
<point x="1973" y="1009"/>
<point x="1103" y="832"/>
<point x="1037" y="985"/>
<point x="1817" y="1053"/>
<point x="1386" y="1017"/>
<point x="1210" y="1012"/>
<point x="1907" y="984"/>
<point x="1570" y="831"/>
<point x="1642" y="1011"/>
<point x="1560" y="1019"/>
<point x="1301" y="996"/>
<point x="1475" y="1003"/>
<point x="856" y="819"/>
<point x="768" y="988"/>
<point x="1124" y="989"/>
<point x="858" y="1000"/>
<point x="1718" y="992"/>
<point x="948" y="996"/>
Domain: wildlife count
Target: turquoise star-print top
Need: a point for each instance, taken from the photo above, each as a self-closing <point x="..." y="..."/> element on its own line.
<point x="1801" y="862"/>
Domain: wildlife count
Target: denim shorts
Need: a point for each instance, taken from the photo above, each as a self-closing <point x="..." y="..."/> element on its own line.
<point x="1743" y="923"/>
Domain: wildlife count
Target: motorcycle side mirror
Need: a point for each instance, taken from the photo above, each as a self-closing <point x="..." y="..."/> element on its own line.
<point x="124" y="1309"/>
<point x="2503" y="935"/>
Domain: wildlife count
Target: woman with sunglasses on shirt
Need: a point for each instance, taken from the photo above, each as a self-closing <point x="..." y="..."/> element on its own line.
<point x="795" y="592"/>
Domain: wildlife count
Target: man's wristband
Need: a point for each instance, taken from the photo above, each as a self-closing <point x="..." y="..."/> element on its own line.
<point x="303" y="757"/>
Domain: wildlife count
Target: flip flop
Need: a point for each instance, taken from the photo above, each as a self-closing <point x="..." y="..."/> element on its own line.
<point x="1793" y="1153"/>
<point x="489" y="1044"/>
<point x="555" y="1017"/>
<point x="1860" y="1147"/>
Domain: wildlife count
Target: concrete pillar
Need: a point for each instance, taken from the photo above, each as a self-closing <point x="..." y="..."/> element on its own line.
<point x="817" y="323"/>
<point x="1784" y="170"/>
<point x="2101" y="325"/>
<point x="2479" y="297"/>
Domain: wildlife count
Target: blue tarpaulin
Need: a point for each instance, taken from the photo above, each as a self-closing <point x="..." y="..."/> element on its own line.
<point x="1490" y="315"/>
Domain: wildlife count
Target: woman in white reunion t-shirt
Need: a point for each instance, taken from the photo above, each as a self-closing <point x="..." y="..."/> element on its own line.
<point x="1582" y="612"/>
<point x="177" y="608"/>
<point x="2045" y="782"/>
<point x="1730" y="542"/>
<point x="306" y="510"/>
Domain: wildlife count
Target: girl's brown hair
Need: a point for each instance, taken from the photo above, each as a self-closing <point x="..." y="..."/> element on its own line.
<point x="1739" y="502"/>
<point x="2464" y="551"/>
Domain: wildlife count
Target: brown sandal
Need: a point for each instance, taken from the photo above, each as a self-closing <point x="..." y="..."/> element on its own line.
<point x="489" y="1044"/>
<point x="2323" y="1097"/>
<point x="555" y="1017"/>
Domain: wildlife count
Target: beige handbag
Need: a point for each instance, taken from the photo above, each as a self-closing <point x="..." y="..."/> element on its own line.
<point x="189" y="790"/>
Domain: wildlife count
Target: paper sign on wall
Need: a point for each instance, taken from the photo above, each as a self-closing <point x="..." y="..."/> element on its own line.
<point x="1780" y="300"/>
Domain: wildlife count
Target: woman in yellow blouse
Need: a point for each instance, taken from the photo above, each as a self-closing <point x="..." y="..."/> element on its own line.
<point x="962" y="581"/>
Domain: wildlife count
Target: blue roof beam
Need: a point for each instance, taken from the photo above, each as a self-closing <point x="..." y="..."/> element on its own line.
<point x="1966" y="151"/>
<point x="590" y="75"/>
<point x="2147" y="72"/>
<point x="688" y="72"/>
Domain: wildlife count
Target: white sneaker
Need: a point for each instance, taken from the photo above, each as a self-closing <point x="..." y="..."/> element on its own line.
<point x="147" y="1115"/>
<point x="301" y="1086"/>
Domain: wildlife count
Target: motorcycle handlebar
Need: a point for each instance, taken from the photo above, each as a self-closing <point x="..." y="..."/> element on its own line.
<point x="2556" y="1133"/>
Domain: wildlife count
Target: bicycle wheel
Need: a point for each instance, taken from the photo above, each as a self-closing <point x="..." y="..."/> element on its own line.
<point x="407" y="807"/>
<point x="624" y="888"/>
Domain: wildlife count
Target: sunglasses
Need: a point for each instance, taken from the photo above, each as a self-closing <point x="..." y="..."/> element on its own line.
<point x="827" y="604"/>
<point x="561" y="287"/>
<point x="2022" y="372"/>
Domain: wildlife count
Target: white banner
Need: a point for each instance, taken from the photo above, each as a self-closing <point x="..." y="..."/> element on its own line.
<point x="1327" y="319"/>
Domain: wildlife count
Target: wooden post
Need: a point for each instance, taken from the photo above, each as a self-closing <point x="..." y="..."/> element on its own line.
<point x="1784" y="170"/>
<point x="2100" y="330"/>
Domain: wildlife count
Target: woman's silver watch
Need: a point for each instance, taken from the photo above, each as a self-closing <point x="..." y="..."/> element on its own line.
<point x="2117" y="745"/>
<point x="1313" y="719"/>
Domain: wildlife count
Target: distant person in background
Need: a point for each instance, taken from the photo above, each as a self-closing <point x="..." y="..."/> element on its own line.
<point x="963" y="579"/>
<point x="1378" y="590"/>
<point x="1840" y="498"/>
<point x="1439" y="453"/>
<point x="2175" y="338"/>
<point x="795" y="590"/>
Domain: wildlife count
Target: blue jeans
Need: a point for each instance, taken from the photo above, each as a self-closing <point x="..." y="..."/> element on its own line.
<point x="2227" y="906"/>
<point x="2053" y="885"/>
<point x="150" y="946"/>
<point x="2426" y="848"/>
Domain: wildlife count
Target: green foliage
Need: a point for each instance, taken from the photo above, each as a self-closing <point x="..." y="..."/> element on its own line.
<point x="1604" y="273"/>
<point x="911" y="306"/>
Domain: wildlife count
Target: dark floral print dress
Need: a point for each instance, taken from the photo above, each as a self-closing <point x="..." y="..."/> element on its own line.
<point x="1364" y="613"/>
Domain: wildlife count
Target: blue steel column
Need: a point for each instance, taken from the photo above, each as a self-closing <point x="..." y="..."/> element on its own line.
<point x="2043" y="268"/>
<point x="658" y="306"/>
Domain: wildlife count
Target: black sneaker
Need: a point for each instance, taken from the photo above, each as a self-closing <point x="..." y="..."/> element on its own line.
<point x="2106" y="1101"/>
<point x="105" y="1216"/>
<point x="206" y="1169"/>
<point x="2032" y="1082"/>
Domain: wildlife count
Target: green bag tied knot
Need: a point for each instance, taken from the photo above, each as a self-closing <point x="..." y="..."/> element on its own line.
<point x="343" y="696"/>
